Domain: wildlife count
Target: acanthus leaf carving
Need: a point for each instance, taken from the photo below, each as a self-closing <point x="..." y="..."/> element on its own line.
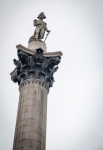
<point x="35" y="66"/>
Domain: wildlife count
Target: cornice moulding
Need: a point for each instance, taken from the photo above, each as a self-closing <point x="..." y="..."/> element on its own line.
<point x="46" y="54"/>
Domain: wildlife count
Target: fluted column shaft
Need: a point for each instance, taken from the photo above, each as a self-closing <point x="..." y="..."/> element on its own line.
<point x="30" y="131"/>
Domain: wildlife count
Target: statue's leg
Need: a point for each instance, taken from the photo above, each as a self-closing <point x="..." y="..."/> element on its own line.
<point x="36" y="35"/>
<point x="37" y="32"/>
<point x="42" y="32"/>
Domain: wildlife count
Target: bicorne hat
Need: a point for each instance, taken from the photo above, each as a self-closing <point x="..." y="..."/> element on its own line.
<point x="42" y="13"/>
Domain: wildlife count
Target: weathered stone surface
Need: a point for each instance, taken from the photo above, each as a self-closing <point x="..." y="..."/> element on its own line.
<point x="30" y="132"/>
<point x="41" y="27"/>
<point x="35" y="66"/>
<point x="45" y="54"/>
<point x="34" y="74"/>
<point x="37" y="44"/>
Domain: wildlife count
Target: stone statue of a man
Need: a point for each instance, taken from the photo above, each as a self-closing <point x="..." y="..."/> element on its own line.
<point x="41" y="26"/>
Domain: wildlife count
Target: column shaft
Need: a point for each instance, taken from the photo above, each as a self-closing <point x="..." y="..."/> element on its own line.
<point x="30" y="131"/>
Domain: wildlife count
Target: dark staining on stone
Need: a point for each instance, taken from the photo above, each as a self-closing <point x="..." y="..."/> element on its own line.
<point x="35" y="66"/>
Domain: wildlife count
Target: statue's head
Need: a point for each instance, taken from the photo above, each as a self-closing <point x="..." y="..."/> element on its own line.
<point x="41" y="15"/>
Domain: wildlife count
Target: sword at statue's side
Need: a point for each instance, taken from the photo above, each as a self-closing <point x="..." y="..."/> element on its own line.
<point x="46" y="36"/>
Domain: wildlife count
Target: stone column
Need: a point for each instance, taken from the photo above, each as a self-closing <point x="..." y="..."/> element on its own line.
<point x="34" y="74"/>
<point x="30" y="132"/>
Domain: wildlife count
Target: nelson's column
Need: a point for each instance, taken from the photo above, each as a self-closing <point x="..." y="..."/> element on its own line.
<point x="34" y="73"/>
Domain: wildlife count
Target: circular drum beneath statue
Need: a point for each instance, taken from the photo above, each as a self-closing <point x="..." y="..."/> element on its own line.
<point x="37" y="44"/>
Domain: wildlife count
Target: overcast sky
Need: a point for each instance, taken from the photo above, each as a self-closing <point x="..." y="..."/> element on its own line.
<point x="75" y="102"/>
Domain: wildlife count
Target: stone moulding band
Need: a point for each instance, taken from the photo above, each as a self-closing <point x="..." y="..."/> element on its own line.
<point x="27" y="50"/>
<point x="45" y="54"/>
<point x="33" y="80"/>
